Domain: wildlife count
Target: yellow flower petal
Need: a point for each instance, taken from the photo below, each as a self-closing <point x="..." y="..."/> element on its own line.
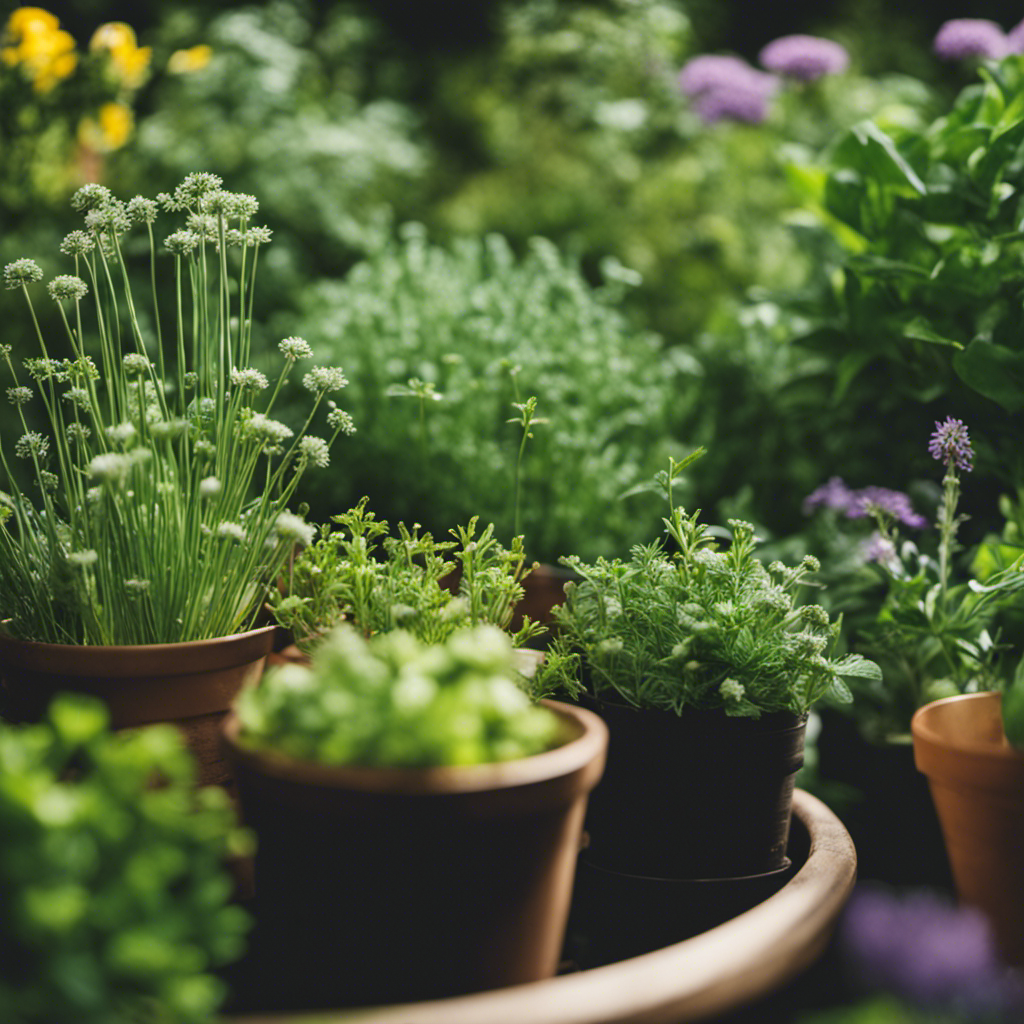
<point x="195" y="58"/>
<point x="24" y="19"/>
<point x="113" y="35"/>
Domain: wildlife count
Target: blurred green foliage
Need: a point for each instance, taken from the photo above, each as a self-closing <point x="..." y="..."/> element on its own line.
<point x="114" y="891"/>
<point x="438" y="342"/>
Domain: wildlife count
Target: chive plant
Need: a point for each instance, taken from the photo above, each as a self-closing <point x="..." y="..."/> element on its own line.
<point x="154" y="506"/>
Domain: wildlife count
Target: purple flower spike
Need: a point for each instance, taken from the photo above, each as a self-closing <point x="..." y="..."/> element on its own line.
<point x="893" y="503"/>
<point x="806" y="58"/>
<point x="1015" y="39"/>
<point x="835" y="495"/>
<point x="950" y="444"/>
<point x="963" y="38"/>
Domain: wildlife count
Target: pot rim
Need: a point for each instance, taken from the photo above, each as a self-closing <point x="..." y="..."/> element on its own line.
<point x="192" y="645"/>
<point x="586" y="748"/>
<point x="924" y="731"/>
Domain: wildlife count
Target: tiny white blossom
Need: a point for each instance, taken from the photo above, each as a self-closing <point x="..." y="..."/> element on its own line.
<point x="83" y="558"/>
<point x="19" y="395"/>
<point x="295" y="348"/>
<point x="315" y="451"/>
<point x="292" y="527"/>
<point x="248" y="378"/>
<point x="209" y="487"/>
<point x="122" y="433"/>
<point x="32" y="443"/>
<point x="322" y="379"/>
<point x="232" y="531"/>
<point x="110" y="467"/>
<point x="135" y="363"/>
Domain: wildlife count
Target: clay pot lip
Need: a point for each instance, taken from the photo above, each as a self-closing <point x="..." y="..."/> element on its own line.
<point x="92" y="658"/>
<point x="586" y="747"/>
<point x="926" y="734"/>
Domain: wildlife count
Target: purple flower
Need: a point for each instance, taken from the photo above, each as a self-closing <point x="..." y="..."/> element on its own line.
<point x="926" y="950"/>
<point x="710" y="72"/>
<point x="879" y="549"/>
<point x="962" y="38"/>
<point x="733" y="104"/>
<point x="835" y="495"/>
<point x="806" y="58"/>
<point x="1015" y="39"/>
<point x="893" y="503"/>
<point x="950" y="444"/>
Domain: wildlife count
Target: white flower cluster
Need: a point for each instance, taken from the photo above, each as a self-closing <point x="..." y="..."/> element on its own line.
<point x="248" y="378"/>
<point x="322" y="379"/>
<point x="315" y="452"/>
<point x="32" y="444"/>
<point x="295" y="348"/>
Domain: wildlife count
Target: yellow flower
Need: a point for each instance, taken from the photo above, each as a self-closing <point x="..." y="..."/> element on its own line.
<point x="28" y="18"/>
<point x="129" y="61"/>
<point x="45" y="52"/>
<point x="110" y="132"/>
<point x="195" y="58"/>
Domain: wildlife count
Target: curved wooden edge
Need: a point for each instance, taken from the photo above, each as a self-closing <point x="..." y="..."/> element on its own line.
<point x="721" y="969"/>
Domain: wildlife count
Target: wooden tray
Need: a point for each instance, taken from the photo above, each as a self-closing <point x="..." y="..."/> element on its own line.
<point x="719" y="970"/>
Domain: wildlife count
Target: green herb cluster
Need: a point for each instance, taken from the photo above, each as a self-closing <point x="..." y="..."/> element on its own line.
<point x="394" y="701"/>
<point x="153" y="505"/>
<point x="116" y="902"/>
<point x="341" y="576"/>
<point x="698" y="627"/>
<point x="444" y="344"/>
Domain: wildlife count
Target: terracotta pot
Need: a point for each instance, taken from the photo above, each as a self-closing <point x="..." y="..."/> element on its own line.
<point x="191" y="684"/>
<point x="697" y="795"/>
<point x="977" y="783"/>
<point x="380" y="885"/>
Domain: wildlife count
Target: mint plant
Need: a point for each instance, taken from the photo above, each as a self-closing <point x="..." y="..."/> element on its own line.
<point x="378" y="582"/>
<point x="697" y="627"/>
<point x="393" y="701"/>
<point x="148" y="501"/>
<point x="116" y="901"/>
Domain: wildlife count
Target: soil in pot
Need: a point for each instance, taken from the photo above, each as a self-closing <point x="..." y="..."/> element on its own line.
<point x="383" y="886"/>
<point x="698" y="795"/>
<point x="189" y="684"/>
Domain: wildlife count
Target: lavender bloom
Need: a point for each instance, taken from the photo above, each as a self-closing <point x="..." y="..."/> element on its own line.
<point x="925" y="950"/>
<point x="892" y="503"/>
<point x="834" y="495"/>
<point x="806" y="58"/>
<point x="950" y="444"/>
<point x="1015" y="39"/>
<point x="963" y="38"/>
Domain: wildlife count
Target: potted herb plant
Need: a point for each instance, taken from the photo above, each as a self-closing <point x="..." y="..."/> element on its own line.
<point x="146" y="503"/>
<point x="417" y="819"/>
<point x="934" y="630"/>
<point x="116" y="901"/>
<point x="704" y="668"/>
<point x="345" y="576"/>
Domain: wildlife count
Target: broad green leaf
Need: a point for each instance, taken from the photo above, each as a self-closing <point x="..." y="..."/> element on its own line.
<point x="857" y="666"/>
<point x="993" y="371"/>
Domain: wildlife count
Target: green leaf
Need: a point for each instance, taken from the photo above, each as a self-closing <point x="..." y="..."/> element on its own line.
<point x="1001" y="150"/>
<point x="858" y="667"/>
<point x="993" y="371"/>
<point x="848" y="369"/>
<point x="879" y="266"/>
<point x="873" y="154"/>
<point x="920" y="330"/>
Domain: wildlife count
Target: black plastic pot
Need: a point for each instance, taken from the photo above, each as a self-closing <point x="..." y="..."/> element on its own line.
<point x="891" y="819"/>
<point x="698" y="795"/>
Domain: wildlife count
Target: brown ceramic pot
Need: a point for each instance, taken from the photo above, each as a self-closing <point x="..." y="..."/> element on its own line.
<point x="977" y="783"/>
<point x="382" y="885"/>
<point x="191" y="684"/>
